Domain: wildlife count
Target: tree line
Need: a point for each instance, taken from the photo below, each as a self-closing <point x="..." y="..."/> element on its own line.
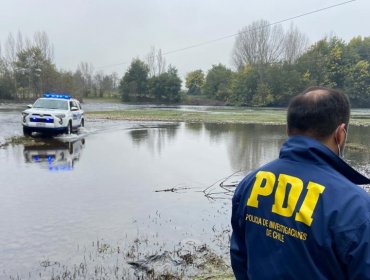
<point x="27" y="69"/>
<point x="150" y="81"/>
<point x="270" y="65"/>
<point x="273" y="65"/>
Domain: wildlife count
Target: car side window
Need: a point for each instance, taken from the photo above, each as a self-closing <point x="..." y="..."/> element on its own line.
<point x="70" y="105"/>
<point x="74" y="104"/>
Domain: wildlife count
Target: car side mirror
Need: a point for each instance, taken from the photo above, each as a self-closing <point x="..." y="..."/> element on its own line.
<point x="74" y="108"/>
<point x="29" y="106"/>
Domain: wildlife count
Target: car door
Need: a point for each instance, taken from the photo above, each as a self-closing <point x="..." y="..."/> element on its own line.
<point x="76" y="113"/>
<point x="80" y="112"/>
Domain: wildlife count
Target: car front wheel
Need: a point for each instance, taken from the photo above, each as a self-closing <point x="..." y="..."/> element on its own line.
<point x="69" y="128"/>
<point x="27" y="131"/>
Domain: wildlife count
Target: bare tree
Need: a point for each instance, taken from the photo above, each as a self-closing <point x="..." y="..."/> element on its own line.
<point x="150" y="60"/>
<point x="115" y="80"/>
<point x="87" y="71"/>
<point x="10" y="50"/>
<point x="98" y="84"/>
<point x="294" y="45"/>
<point x="41" y="40"/>
<point x="156" y="62"/>
<point x="20" y="46"/>
<point x="161" y="63"/>
<point x="263" y="43"/>
<point x="27" y="43"/>
<point x="2" y="62"/>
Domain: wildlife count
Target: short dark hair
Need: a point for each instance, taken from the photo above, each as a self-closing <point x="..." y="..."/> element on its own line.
<point x="317" y="112"/>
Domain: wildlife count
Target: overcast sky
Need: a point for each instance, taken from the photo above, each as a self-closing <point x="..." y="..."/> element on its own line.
<point x="106" y="32"/>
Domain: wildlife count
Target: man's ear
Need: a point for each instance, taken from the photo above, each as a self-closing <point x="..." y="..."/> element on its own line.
<point x="341" y="134"/>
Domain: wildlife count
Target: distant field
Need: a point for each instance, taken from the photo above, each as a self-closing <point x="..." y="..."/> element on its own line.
<point x="212" y="116"/>
<point x="258" y="116"/>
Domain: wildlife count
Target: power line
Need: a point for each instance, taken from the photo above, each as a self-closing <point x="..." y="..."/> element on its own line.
<point x="236" y="34"/>
<point x="262" y="27"/>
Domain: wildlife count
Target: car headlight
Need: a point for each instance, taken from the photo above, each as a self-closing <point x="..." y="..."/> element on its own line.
<point x="60" y="116"/>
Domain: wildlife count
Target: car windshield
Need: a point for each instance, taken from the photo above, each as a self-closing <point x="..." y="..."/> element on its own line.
<point x="51" y="104"/>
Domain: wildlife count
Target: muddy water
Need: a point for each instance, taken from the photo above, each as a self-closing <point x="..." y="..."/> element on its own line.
<point x="118" y="181"/>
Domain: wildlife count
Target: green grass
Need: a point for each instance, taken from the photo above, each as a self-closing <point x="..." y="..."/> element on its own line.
<point x="248" y="115"/>
<point x="212" y="116"/>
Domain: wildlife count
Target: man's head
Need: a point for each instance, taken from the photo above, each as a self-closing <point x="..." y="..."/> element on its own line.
<point x="321" y="113"/>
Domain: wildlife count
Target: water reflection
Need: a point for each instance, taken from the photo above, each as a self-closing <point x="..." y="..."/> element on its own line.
<point x="248" y="145"/>
<point x="194" y="128"/>
<point x="54" y="155"/>
<point x="155" y="138"/>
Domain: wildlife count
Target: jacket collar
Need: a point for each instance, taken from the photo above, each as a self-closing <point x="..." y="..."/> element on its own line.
<point x="306" y="149"/>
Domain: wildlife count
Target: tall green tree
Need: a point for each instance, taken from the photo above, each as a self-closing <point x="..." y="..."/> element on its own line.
<point x="134" y="84"/>
<point x="6" y="81"/>
<point x="64" y="83"/>
<point x="218" y="82"/>
<point x="244" y="86"/>
<point x="7" y="86"/>
<point x="284" y="81"/>
<point x="337" y="63"/>
<point x="194" y="81"/>
<point x="166" y="86"/>
<point x="360" y="47"/>
<point x="312" y="64"/>
<point x="327" y="63"/>
<point x="357" y="84"/>
<point x="33" y="69"/>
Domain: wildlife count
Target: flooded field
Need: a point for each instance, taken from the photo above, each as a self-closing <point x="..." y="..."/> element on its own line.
<point x="128" y="199"/>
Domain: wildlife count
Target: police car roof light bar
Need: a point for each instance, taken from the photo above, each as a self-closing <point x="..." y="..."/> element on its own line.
<point x="57" y="95"/>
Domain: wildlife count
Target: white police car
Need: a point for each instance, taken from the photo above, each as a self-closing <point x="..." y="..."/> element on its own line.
<point x="53" y="114"/>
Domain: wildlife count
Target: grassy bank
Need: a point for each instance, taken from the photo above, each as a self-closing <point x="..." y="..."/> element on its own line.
<point x="258" y="116"/>
<point x="267" y="116"/>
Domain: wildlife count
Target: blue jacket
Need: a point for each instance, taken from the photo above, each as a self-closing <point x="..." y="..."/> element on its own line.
<point x="301" y="216"/>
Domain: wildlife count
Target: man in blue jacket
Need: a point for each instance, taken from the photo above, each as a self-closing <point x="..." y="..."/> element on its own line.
<point x="303" y="216"/>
